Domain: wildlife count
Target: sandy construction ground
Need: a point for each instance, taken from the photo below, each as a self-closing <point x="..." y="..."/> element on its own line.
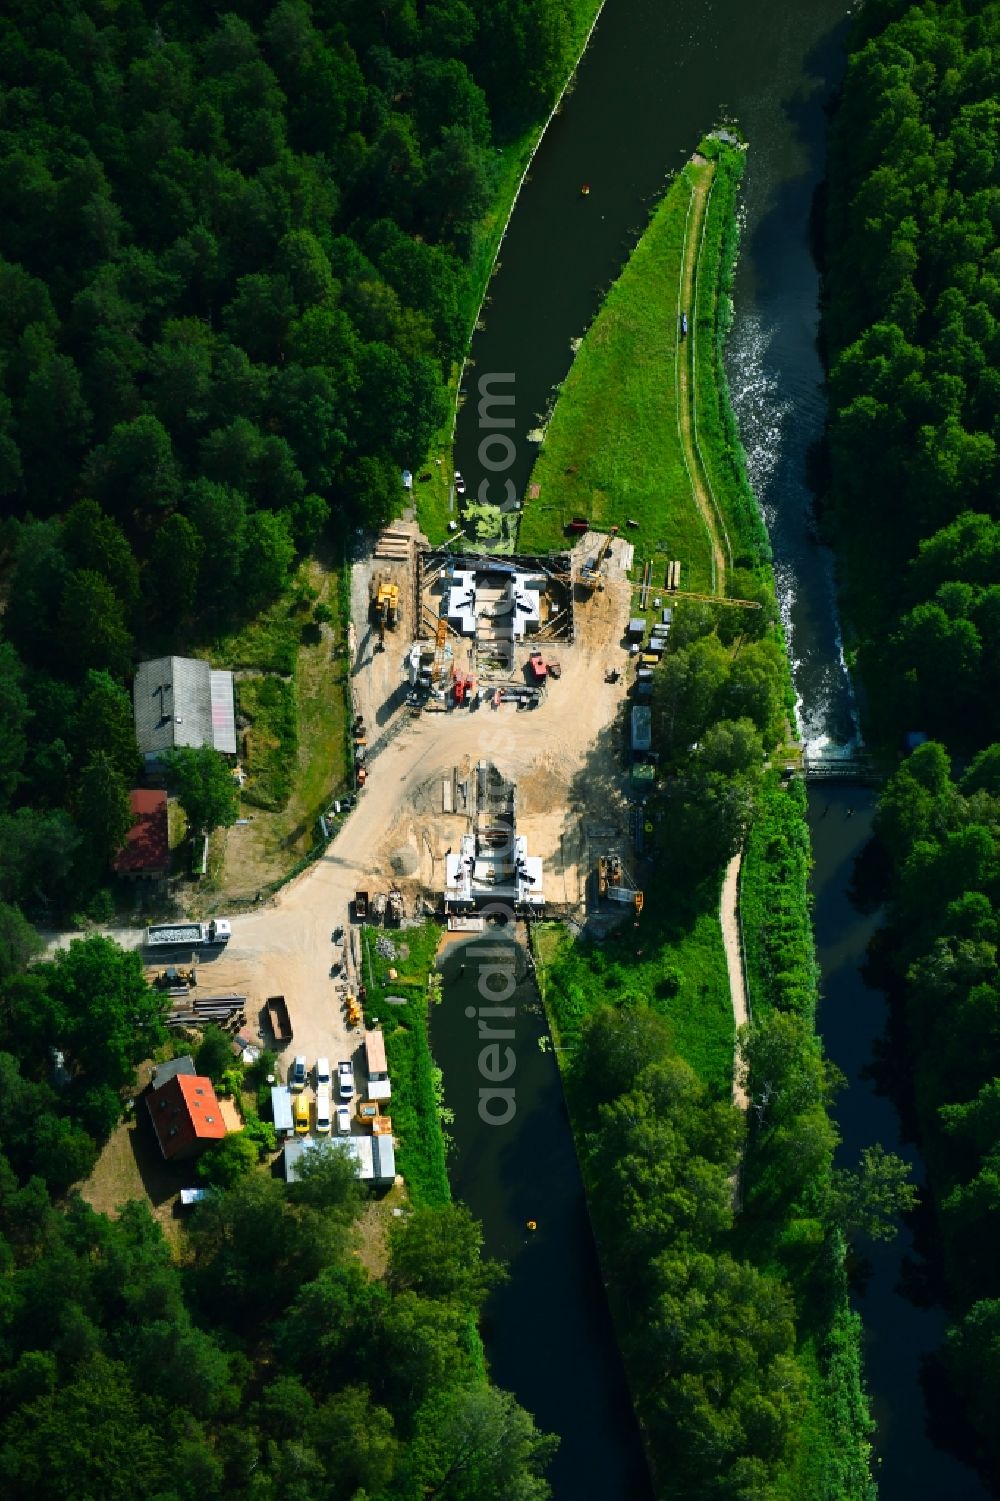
<point x="566" y="757"/>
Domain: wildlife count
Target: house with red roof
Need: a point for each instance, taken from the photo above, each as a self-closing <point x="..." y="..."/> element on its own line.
<point x="146" y="853"/>
<point x="183" y="1107"/>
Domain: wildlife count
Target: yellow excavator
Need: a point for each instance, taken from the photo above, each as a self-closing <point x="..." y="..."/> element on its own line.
<point x="385" y="605"/>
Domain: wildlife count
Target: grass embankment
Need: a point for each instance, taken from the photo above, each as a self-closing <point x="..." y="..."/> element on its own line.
<point x="674" y="962"/>
<point x="432" y="495"/>
<point x="611" y="450"/>
<point x="418" y="1114"/>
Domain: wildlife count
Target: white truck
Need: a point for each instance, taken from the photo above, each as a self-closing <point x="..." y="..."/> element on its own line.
<point x="188" y="934"/>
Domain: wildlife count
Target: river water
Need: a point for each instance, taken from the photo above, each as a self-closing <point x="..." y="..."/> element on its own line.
<point x="655" y="78"/>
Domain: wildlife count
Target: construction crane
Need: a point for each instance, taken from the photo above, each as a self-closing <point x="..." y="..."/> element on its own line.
<point x="715" y="599"/>
<point x="440" y="643"/>
<point x="590" y="572"/>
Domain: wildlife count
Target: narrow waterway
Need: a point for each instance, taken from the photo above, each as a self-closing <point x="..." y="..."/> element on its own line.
<point x="547" y="1330"/>
<point x="899" y="1330"/>
<point x="654" y="79"/>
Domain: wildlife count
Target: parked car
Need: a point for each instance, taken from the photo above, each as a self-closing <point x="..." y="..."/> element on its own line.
<point x="345" y="1075"/>
<point x="297" y="1077"/>
<point x="324" y="1118"/>
<point x="343" y="1115"/>
<point x="300" y="1114"/>
<point x="322" y="1073"/>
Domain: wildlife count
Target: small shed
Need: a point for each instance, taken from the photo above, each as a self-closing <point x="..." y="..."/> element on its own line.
<point x="281" y="1111"/>
<point x="637" y="627"/>
<point x="169" y="1070"/>
<point x="537" y="667"/>
<point x="191" y="1196"/>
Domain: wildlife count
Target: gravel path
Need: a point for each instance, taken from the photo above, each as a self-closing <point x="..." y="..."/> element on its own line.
<point x="729" y="919"/>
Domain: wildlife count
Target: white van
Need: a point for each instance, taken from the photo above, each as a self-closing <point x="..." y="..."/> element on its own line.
<point x="324" y="1118"/>
<point x="322" y="1073"/>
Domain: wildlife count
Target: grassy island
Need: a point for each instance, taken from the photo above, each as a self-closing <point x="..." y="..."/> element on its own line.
<point x="721" y="1234"/>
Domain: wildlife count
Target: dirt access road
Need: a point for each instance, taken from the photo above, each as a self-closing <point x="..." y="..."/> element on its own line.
<point x="686" y="371"/>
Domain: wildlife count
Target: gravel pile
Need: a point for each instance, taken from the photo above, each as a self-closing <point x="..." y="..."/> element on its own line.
<point x="385" y="947"/>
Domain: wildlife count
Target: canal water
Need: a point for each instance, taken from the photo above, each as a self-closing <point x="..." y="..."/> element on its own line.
<point x="548" y="1332"/>
<point x="654" y="79"/>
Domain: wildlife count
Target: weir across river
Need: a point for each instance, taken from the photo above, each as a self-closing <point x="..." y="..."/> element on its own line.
<point x="856" y="768"/>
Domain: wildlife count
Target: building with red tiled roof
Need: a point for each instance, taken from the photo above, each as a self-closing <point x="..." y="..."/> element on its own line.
<point x="146" y="854"/>
<point x="185" y="1113"/>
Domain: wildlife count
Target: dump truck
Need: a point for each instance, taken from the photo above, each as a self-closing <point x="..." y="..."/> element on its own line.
<point x="278" y="1019"/>
<point x="187" y="934"/>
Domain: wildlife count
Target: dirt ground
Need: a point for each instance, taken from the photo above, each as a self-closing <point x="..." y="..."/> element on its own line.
<point x="566" y="757"/>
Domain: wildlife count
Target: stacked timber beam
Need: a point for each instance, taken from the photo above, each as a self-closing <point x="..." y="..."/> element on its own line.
<point x="393" y="545"/>
<point x="225" y="1011"/>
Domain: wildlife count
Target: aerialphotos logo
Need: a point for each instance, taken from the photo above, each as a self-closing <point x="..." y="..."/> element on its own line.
<point x="497" y="962"/>
<point x="496" y="1031"/>
<point x="497" y="451"/>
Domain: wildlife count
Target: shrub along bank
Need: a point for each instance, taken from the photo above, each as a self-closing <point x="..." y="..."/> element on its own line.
<point x="742" y="1351"/>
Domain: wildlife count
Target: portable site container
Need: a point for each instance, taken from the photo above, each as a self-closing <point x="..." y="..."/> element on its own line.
<point x="642" y="729"/>
<point x="281" y="1111"/>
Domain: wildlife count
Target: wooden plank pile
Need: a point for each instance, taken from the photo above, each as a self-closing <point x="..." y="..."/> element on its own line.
<point x="225" y="1011"/>
<point x="393" y="545"/>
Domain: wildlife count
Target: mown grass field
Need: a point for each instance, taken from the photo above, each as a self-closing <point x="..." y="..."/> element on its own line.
<point x="674" y="961"/>
<point x="297" y="738"/>
<point x="612" y="451"/>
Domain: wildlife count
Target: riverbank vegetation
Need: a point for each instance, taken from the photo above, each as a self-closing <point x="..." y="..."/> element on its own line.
<point x="417" y="1110"/>
<point x="779" y="1409"/>
<point x="910" y="328"/>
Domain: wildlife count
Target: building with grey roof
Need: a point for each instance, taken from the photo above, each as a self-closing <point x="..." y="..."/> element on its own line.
<point x="180" y="701"/>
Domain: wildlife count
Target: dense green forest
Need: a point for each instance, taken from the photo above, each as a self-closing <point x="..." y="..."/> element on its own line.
<point x="233" y="282"/>
<point x="723" y="1235"/>
<point x="913" y="299"/>
<point x="911" y="330"/>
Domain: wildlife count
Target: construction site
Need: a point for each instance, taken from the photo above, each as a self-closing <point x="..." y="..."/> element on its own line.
<point x="493" y="765"/>
<point x="451" y="648"/>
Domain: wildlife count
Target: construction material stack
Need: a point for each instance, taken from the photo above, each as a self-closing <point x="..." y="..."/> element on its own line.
<point x="225" y="1011"/>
